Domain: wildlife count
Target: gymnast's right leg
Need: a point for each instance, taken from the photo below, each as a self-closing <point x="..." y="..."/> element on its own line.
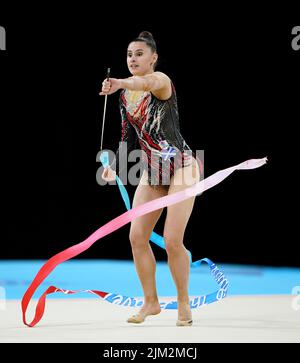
<point x="140" y="231"/>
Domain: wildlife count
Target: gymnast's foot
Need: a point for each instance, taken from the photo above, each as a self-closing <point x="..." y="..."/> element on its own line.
<point x="146" y="310"/>
<point x="184" y="314"/>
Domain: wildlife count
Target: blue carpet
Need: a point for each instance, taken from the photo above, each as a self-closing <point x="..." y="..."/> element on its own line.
<point x="120" y="277"/>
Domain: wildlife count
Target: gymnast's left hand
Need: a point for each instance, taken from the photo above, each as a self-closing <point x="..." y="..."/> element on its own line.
<point x="110" y="86"/>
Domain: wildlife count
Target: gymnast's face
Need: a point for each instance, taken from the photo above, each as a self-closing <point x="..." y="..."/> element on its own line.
<point x="140" y="59"/>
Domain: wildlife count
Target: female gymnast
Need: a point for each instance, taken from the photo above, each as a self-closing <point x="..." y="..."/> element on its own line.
<point x="149" y="115"/>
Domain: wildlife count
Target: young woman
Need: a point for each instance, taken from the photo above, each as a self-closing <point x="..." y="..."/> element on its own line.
<point x="149" y="114"/>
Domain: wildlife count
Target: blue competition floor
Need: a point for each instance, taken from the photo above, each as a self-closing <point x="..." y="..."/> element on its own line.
<point x="120" y="277"/>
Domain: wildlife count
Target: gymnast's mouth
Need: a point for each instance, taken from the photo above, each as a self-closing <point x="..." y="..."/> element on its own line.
<point x="134" y="66"/>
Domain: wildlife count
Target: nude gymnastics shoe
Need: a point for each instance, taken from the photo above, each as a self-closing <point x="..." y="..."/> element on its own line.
<point x="136" y="319"/>
<point x="184" y="322"/>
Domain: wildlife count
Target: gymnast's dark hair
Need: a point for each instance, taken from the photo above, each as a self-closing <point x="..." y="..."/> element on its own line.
<point x="147" y="38"/>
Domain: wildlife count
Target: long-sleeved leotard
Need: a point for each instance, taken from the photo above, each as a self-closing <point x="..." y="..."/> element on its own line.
<point x="155" y="124"/>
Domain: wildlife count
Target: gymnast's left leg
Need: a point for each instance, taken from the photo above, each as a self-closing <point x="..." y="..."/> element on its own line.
<point x="175" y="225"/>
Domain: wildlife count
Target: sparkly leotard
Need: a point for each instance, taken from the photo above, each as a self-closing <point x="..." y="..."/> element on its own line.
<point x="155" y="124"/>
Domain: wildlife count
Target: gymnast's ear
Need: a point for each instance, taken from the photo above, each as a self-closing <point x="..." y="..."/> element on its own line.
<point x="154" y="60"/>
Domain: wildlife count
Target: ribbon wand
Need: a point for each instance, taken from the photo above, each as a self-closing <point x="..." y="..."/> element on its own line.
<point x="104" y="156"/>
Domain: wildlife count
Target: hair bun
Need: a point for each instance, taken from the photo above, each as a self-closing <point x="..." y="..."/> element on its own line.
<point x="146" y="35"/>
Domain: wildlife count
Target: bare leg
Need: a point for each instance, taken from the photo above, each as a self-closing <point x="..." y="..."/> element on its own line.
<point x="176" y="222"/>
<point x="140" y="231"/>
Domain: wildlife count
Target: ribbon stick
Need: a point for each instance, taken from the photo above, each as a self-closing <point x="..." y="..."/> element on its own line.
<point x="104" y="112"/>
<point x="119" y="222"/>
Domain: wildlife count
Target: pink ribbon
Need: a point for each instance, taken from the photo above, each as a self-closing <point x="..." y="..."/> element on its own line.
<point x="117" y="223"/>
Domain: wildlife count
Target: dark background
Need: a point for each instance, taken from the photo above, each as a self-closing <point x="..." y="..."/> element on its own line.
<point x="236" y="79"/>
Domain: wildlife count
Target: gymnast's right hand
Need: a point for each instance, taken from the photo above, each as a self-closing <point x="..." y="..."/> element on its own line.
<point x="109" y="174"/>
